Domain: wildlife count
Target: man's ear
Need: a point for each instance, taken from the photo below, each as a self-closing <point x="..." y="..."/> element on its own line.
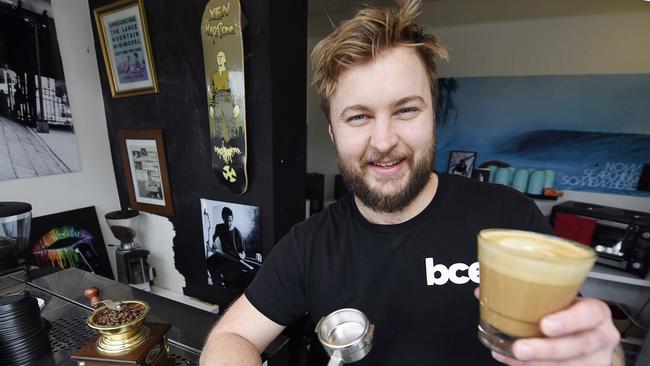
<point x="329" y="129"/>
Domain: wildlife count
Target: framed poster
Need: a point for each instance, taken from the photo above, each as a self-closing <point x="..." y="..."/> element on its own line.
<point x="70" y="239"/>
<point x="232" y="238"/>
<point x="461" y="163"/>
<point x="145" y="170"/>
<point x="122" y="30"/>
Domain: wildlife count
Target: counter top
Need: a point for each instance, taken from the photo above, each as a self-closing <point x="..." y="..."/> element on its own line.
<point x="190" y="325"/>
<point x="66" y="309"/>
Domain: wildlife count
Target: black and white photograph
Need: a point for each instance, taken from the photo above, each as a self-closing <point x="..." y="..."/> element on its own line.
<point x="36" y="128"/>
<point x="147" y="181"/>
<point x="461" y="163"/>
<point x="144" y="163"/>
<point x="232" y="238"/>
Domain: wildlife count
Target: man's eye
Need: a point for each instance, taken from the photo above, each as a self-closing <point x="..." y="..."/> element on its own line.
<point x="358" y="117"/>
<point x="408" y="110"/>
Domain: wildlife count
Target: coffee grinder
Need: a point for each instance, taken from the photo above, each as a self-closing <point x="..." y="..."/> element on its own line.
<point x="132" y="263"/>
<point x="15" y="223"/>
<point x="124" y="336"/>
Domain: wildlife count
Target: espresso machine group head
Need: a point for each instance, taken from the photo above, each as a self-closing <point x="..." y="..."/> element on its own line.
<point x="132" y="263"/>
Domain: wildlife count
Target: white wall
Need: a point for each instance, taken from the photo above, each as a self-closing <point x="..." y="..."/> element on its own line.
<point x="95" y="184"/>
<point x="517" y="37"/>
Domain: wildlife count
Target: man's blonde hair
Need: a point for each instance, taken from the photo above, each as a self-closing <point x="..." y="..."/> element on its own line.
<point x="365" y="36"/>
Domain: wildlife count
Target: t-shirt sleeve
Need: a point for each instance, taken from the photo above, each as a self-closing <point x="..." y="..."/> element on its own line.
<point x="278" y="289"/>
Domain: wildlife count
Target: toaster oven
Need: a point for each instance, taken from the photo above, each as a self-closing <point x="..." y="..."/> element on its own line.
<point x="620" y="237"/>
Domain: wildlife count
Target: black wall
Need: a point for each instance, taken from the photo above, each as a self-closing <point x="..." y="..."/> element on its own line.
<point x="275" y="52"/>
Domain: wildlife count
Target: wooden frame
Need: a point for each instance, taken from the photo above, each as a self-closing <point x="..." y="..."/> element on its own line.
<point x="145" y="170"/>
<point x="461" y="162"/>
<point x="123" y="34"/>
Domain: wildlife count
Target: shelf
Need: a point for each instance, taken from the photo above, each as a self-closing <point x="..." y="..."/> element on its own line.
<point x="610" y="274"/>
<point x="542" y="197"/>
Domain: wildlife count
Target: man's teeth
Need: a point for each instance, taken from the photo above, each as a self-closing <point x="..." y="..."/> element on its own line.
<point x="385" y="165"/>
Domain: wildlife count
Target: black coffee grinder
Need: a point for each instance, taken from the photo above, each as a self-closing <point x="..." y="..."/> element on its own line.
<point x="15" y="223"/>
<point x="132" y="263"/>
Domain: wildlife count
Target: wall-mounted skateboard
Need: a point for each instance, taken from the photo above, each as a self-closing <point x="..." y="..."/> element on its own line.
<point x="223" y="55"/>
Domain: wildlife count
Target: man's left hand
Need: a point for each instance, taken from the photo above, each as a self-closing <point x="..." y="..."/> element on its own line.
<point x="583" y="334"/>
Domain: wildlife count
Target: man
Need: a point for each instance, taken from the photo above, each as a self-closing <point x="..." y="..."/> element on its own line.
<point x="223" y="107"/>
<point x="229" y="236"/>
<point x="400" y="247"/>
<point x="225" y="265"/>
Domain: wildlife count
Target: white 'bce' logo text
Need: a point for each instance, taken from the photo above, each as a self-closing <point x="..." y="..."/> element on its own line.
<point x="458" y="273"/>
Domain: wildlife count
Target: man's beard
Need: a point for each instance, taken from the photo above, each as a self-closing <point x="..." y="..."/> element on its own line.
<point x="397" y="201"/>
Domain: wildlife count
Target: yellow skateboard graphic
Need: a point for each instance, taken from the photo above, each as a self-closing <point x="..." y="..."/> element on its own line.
<point x="223" y="56"/>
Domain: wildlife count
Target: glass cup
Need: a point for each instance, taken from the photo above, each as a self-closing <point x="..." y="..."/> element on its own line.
<point x="524" y="277"/>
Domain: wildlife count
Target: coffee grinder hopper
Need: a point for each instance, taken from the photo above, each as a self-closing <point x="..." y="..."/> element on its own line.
<point x="123" y="225"/>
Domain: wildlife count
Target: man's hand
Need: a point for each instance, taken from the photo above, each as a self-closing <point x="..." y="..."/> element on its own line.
<point x="583" y="334"/>
<point x="235" y="111"/>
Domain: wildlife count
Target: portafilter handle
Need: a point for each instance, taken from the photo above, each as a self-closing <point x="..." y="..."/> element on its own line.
<point x="92" y="294"/>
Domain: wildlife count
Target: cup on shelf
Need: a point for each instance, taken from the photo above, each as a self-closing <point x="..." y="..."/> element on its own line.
<point x="520" y="180"/>
<point x="549" y="179"/>
<point x="512" y="174"/>
<point x="493" y="172"/>
<point x="502" y="176"/>
<point x="536" y="182"/>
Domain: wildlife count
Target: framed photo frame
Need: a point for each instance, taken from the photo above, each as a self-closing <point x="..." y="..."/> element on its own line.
<point x="123" y="34"/>
<point x="145" y="170"/>
<point x="461" y="162"/>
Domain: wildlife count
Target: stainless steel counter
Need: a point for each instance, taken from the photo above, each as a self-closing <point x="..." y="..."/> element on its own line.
<point x="66" y="309"/>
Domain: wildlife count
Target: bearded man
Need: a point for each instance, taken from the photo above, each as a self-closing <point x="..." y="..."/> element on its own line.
<point x="401" y="247"/>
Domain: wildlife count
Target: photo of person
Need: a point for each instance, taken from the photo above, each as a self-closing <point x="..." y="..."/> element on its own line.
<point x="232" y="240"/>
<point x="461" y="163"/>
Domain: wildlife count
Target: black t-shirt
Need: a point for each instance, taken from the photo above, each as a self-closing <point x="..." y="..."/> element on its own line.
<point x="231" y="241"/>
<point x="412" y="280"/>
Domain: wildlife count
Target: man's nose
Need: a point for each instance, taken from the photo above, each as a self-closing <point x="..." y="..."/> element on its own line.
<point x="384" y="136"/>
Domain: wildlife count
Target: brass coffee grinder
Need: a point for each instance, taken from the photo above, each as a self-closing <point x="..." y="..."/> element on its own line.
<point x="125" y="338"/>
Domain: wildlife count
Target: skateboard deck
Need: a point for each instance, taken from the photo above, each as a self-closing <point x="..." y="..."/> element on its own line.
<point x="223" y="56"/>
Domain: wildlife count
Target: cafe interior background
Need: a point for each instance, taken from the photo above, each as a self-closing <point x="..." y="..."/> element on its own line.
<point x="532" y="76"/>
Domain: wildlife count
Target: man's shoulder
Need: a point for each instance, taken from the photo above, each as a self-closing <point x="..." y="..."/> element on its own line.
<point x="221" y="228"/>
<point x="470" y="193"/>
<point x="463" y="185"/>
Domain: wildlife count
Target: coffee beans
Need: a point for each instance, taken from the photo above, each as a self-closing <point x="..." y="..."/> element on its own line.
<point x="112" y="318"/>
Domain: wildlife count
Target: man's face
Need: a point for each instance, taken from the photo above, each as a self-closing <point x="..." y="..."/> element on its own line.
<point x="382" y="124"/>
<point x="230" y="222"/>
<point x="221" y="58"/>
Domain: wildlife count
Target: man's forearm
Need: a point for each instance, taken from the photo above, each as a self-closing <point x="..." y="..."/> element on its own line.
<point x="229" y="349"/>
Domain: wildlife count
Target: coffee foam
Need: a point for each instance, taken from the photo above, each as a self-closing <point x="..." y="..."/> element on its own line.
<point x="534" y="257"/>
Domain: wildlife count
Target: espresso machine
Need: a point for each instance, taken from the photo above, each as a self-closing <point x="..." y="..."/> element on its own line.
<point x="15" y="223"/>
<point x="132" y="263"/>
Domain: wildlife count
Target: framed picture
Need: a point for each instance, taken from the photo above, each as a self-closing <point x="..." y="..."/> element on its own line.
<point x="70" y="239"/>
<point x="461" y="163"/>
<point x="232" y="238"/>
<point x="122" y="30"/>
<point x="145" y="170"/>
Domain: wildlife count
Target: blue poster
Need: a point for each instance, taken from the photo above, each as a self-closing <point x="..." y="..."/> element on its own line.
<point x="592" y="130"/>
